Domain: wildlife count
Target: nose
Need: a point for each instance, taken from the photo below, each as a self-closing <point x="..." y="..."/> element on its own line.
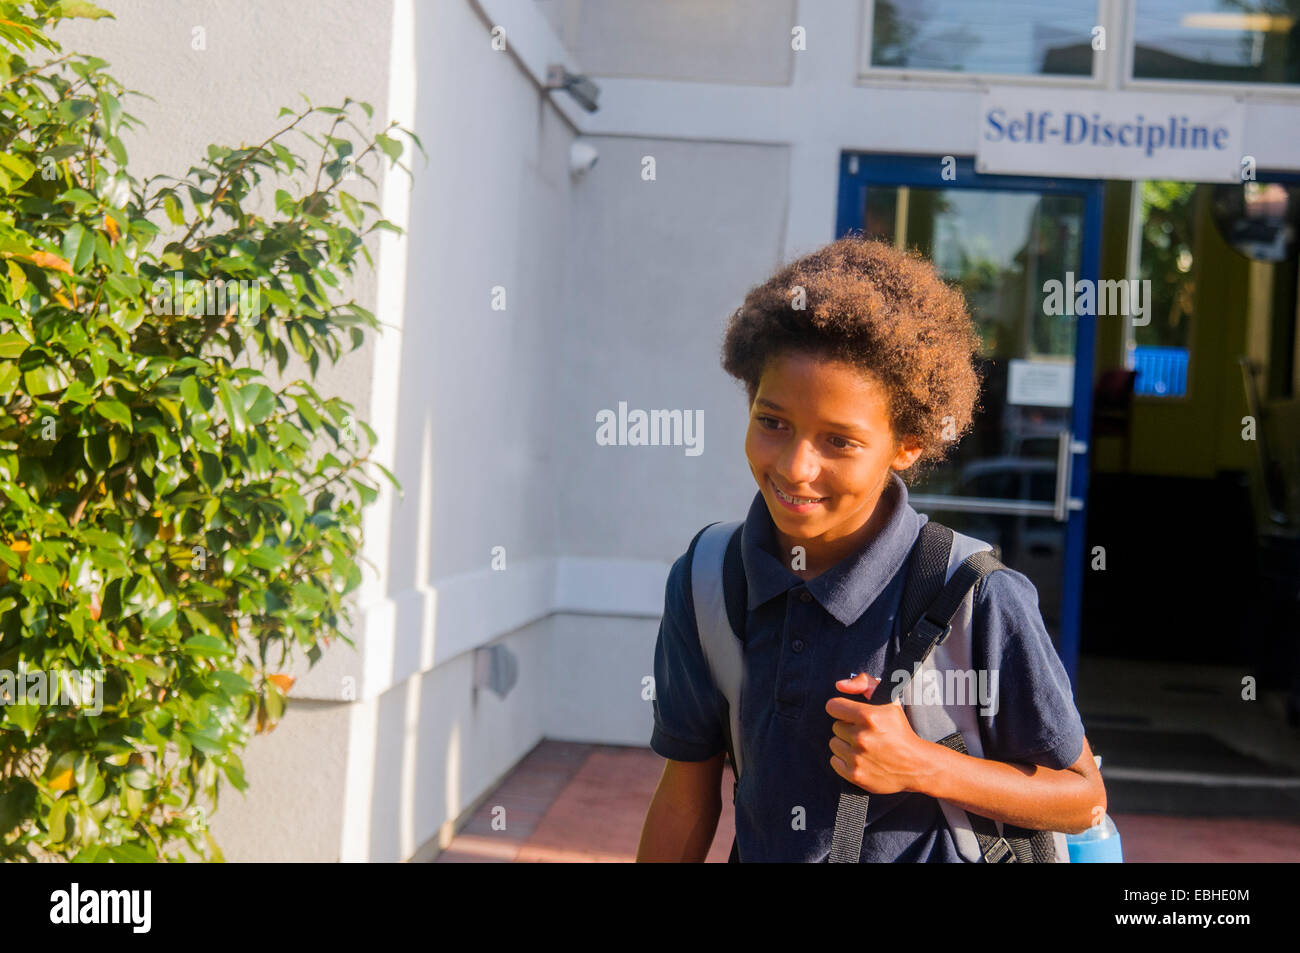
<point x="798" y="465"/>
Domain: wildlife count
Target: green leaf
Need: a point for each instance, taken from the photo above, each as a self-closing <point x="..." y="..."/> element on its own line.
<point x="175" y="213"/>
<point x="233" y="406"/>
<point x="138" y="778"/>
<point x="392" y="148"/>
<point x="78" y="246"/>
<point x="57" y="822"/>
<point x="44" y="380"/>
<point x="111" y="110"/>
<point x="22" y="716"/>
<point x="44" y="574"/>
<point x="82" y="9"/>
<point x="207" y="645"/>
<point x="190" y="394"/>
<point x="114" y="410"/>
<point x="350" y="208"/>
<point x="131" y="854"/>
<point x="311" y="597"/>
<point x="80" y="199"/>
<point x="269" y="559"/>
<point x="98" y="453"/>
<point x="119" y="151"/>
<point x="8" y="378"/>
<point x="12" y="345"/>
<point x="259" y="402"/>
<point x="211" y="471"/>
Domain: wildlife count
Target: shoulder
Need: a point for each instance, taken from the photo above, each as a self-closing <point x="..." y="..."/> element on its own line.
<point x="679" y="578"/>
<point x="1008" y="623"/>
<point x="1034" y="718"/>
<point x="1005" y="588"/>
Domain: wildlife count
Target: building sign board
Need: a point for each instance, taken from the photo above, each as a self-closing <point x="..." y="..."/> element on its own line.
<point x="1100" y="134"/>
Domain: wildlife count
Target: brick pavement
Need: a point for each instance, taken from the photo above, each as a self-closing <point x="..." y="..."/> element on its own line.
<point x="570" y="802"/>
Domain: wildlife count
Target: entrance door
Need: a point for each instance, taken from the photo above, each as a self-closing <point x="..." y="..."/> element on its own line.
<point x="1019" y="480"/>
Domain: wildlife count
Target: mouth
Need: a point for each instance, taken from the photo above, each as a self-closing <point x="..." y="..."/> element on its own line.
<point x="797" y="504"/>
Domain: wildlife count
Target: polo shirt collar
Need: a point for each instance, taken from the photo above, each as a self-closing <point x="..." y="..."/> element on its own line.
<point x="851" y="585"/>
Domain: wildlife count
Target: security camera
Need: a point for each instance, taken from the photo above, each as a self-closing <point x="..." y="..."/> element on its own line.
<point x="581" y="158"/>
<point x="582" y="89"/>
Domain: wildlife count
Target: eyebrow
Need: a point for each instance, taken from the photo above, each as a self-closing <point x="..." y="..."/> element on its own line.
<point x="834" y="426"/>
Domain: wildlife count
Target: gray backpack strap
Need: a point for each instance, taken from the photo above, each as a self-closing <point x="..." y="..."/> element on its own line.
<point x="935" y="722"/>
<point x="939" y="724"/>
<point x="722" y="648"/>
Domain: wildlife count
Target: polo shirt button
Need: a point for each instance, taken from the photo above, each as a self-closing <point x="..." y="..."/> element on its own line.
<point x="797" y="645"/>
<point x="805" y="596"/>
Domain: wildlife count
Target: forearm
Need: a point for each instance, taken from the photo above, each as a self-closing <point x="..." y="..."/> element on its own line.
<point x="676" y="832"/>
<point x="1030" y="796"/>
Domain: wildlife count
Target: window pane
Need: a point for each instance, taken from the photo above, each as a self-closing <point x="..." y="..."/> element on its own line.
<point x="1023" y="37"/>
<point x="1167" y="255"/>
<point x="1237" y="41"/>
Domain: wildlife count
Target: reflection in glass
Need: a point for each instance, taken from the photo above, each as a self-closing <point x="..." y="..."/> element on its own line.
<point x="999" y="247"/>
<point x="1259" y="219"/>
<point x="1021" y="37"/>
<point x="1159" y="350"/>
<point x="1236" y="41"/>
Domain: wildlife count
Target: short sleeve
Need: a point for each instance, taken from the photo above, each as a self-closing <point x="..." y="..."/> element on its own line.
<point x="688" y="709"/>
<point x="1032" y="718"/>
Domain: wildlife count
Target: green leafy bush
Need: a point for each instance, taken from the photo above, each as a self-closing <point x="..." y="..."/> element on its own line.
<point x="175" y="518"/>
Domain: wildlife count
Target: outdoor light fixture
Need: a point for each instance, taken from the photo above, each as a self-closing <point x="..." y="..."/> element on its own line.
<point x="496" y="669"/>
<point x="583" y="90"/>
<point x="582" y="156"/>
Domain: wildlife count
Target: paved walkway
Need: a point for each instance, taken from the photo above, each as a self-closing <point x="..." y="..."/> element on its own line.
<point x="569" y="802"/>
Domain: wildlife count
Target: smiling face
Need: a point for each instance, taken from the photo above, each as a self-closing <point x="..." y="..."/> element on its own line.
<point x="819" y="431"/>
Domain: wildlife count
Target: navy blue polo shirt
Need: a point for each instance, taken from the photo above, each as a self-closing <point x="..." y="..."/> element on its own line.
<point x="800" y="637"/>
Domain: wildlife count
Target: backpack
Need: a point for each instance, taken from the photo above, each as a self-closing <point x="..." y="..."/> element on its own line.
<point x="942" y="570"/>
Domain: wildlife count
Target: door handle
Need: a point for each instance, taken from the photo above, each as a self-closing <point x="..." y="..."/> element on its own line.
<point x="1066" y="447"/>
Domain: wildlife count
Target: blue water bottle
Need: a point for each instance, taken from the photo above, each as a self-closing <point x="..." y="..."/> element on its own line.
<point x="1099" y="844"/>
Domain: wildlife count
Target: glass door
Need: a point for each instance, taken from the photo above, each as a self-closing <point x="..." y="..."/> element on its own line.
<point x="1018" y="480"/>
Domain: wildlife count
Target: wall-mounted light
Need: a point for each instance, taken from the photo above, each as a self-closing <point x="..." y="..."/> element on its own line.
<point x="582" y="157"/>
<point x="582" y="89"/>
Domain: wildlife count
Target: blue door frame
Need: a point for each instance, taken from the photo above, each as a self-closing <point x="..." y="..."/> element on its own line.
<point x="859" y="170"/>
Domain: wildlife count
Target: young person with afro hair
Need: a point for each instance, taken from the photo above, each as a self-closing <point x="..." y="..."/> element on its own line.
<point x="858" y="364"/>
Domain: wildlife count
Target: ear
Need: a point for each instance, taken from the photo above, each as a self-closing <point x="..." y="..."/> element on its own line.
<point x="908" y="453"/>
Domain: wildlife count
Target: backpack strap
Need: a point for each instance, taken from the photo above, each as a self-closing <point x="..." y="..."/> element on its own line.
<point x="1013" y="844"/>
<point x="938" y="723"/>
<point x="926" y="575"/>
<point x="716" y="551"/>
<point x="943" y="568"/>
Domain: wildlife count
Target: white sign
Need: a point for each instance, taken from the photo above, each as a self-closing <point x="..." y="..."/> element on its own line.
<point x="1040" y="383"/>
<point x="1096" y="134"/>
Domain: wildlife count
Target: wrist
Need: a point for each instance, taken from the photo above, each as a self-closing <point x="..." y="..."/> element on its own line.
<point x="935" y="770"/>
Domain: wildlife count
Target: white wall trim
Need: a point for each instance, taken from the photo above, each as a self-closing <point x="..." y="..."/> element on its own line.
<point x="430" y="627"/>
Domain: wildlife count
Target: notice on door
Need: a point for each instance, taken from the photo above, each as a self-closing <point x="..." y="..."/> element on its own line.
<point x="1040" y="383"/>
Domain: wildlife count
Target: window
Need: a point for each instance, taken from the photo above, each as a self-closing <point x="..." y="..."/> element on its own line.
<point x="999" y="37"/>
<point x="1162" y="252"/>
<point x="1260" y="220"/>
<point x="1227" y="41"/>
